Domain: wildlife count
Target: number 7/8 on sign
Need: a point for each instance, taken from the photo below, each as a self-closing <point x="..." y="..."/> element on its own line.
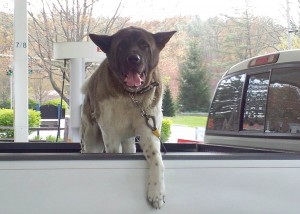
<point x="21" y="44"/>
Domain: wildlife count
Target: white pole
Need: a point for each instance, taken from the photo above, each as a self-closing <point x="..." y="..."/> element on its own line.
<point x="11" y="91"/>
<point x="20" y="71"/>
<point x="77" y="70"/>
<point x="289" y="24"/>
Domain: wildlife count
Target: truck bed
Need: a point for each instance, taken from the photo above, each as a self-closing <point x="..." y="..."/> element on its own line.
<point x="43" y="181"/>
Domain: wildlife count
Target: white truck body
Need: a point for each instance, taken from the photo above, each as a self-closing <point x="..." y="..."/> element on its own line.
<point x="196" y="183"/>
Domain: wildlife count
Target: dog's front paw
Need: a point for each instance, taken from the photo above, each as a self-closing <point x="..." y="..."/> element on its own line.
<point x="156" y="195"/>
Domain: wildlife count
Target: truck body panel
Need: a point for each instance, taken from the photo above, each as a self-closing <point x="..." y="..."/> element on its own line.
<point x="104" y="183"/>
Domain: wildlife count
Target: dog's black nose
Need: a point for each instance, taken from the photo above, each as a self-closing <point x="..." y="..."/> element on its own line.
<point x="134" y="59"/>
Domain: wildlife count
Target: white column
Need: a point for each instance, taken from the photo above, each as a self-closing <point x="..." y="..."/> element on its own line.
<point x="11" y="91"/>
<point x="20" y="72"/>
<point x="77" y="76"/>
<point x="289" y="24"/>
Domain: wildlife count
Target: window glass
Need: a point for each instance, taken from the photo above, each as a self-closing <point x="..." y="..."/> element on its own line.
<point x="225" y="109"/>
<point x="255" y="103"/>
<point x="283" y="115"/>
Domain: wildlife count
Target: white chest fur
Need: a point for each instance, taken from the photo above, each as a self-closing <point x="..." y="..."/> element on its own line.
<point x="120" y="116"/>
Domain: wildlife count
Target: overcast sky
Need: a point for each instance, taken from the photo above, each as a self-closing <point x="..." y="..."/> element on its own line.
<point x="159" y="9"/>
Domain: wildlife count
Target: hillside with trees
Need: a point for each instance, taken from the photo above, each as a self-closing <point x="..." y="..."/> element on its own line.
<point x="222" y="40"/>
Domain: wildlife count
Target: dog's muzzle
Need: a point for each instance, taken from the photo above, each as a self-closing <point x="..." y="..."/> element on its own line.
<point x="134" y="77"/>
<point x="134" y="59"/>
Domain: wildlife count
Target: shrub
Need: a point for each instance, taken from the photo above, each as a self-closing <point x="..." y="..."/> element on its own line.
<point x="52" y="139"/>
<point x="55" y="102"/>
<point x="34" y="118"/>
<point x="165" y="129"/>
<point x="37" y="138"/>
<point x="7" y="119"/>
<point x="6" y="104"/>
<point x="32" y="104"/>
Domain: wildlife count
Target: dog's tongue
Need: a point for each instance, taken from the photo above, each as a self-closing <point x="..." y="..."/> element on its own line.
<point x="133" y="79"/>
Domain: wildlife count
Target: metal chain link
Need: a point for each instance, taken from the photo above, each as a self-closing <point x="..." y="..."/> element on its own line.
<point x="137" y="104"/>
<point x="147" y="118"/>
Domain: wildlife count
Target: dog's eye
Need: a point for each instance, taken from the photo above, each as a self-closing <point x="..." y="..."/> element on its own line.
<point x="122" y="46"/>
<point x="143" y="44"/>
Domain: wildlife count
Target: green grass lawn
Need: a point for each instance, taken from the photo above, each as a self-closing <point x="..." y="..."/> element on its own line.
<point x="191" y="121"/>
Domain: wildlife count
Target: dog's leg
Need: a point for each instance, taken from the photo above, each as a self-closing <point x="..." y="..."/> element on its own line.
<point x="92" y="139"/>
<point x="112" y="143"/>
<point x="156" y="184"/>
<point x="128" y="145"/>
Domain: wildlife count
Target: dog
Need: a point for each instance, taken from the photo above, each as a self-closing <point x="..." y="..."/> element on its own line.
<point x="123" y="99"/>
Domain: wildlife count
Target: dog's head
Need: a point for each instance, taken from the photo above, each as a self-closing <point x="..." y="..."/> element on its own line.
<point x="132" y="54"/>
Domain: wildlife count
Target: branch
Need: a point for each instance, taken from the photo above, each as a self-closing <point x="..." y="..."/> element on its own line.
<point x="113" y="19"/>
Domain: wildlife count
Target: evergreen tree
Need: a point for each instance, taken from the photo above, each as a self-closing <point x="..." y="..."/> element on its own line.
<point x="194" y="92"/>
<point x="168" y="104"/>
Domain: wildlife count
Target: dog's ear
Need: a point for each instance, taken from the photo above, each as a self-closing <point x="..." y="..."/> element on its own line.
<point x="162" y="38"/>
<point x="102" y="41"/>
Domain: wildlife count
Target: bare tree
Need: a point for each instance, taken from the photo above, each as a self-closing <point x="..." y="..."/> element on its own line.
<point x="6" y="37"/>
<point x="63" y="21"/>
<point x="251" y="35"/>
<point x="40" y="87"/>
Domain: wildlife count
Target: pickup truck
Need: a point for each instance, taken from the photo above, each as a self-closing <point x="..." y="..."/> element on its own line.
<point x="256" y="104"/>
<point x="249" y="162"/>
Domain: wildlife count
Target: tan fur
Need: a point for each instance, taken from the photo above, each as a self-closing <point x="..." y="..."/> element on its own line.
<point x="110" y="120"/>
<point x="101" y="85"/>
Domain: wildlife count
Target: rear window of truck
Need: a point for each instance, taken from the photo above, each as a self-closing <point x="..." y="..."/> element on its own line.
<point x="266" y="102"/>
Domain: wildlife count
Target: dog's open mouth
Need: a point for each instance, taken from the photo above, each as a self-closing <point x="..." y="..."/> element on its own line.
<point x="133" y="79"/>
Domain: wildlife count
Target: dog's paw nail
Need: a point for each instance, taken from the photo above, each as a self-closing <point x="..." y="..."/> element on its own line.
<point x="157" y="202"/>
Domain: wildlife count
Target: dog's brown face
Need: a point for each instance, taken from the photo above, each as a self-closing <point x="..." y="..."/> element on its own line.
<point x="132" y="55"/>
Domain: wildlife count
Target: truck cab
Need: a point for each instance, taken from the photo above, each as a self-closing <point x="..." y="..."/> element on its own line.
<point x="256" y="104"/>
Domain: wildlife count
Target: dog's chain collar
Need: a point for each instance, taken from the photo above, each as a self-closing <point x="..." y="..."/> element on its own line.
<point x="138" y="104"/>
<point x="147" y="119"/>
<point x="148" y="88"/>
<point x="145" y="89"/>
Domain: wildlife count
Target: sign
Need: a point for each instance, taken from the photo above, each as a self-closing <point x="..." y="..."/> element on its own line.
<point x="78" y="50"/>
